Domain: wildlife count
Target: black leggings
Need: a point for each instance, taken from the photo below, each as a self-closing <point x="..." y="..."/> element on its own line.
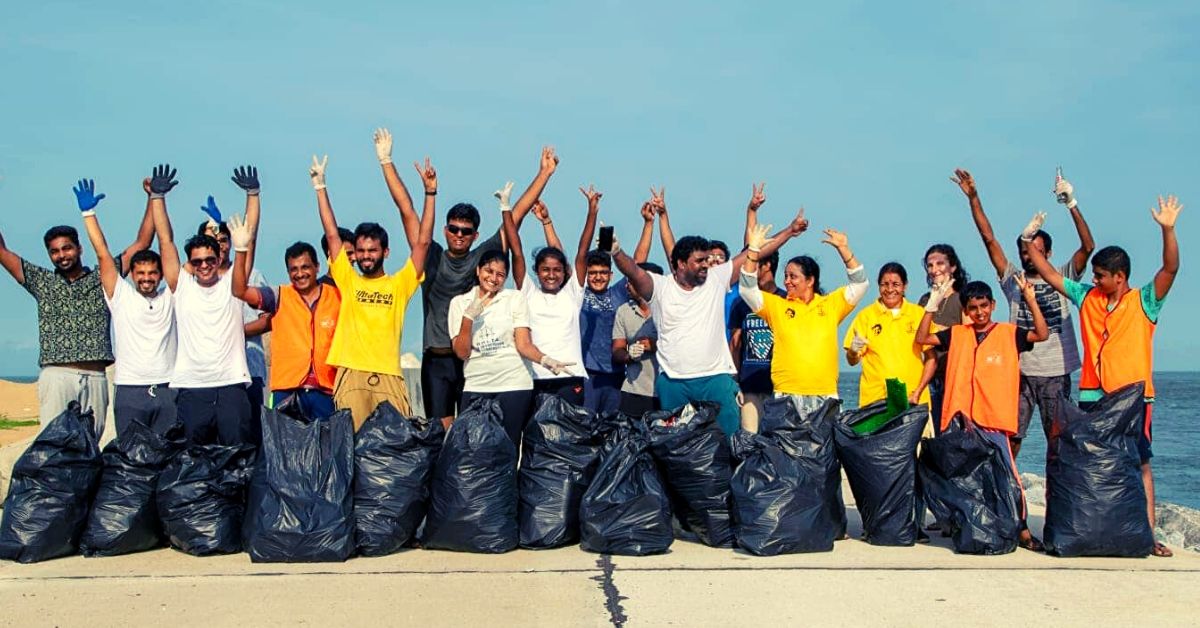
<point x="515" y="408"/>
<point x="569" y="389"/>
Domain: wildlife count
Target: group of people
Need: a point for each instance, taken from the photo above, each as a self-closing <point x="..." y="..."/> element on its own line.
<point x="714" y="326"/>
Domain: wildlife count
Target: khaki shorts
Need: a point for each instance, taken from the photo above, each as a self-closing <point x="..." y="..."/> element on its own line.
<point x="361" y="392"/>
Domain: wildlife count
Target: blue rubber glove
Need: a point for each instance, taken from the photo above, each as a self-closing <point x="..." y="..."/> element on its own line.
<point x="214" y="214"/>
<point x="246" y="177"/>
<point x="85" y="195"/>
<point x="162" y="181"/>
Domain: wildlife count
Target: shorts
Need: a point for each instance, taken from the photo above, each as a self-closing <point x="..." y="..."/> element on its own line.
<point x="569" y="389"/>
<point x="218" y="415"/>
<point x="720" y="389"/>
<point x="441" y="383"/>
<point x="1044" y="393"/>
<point x="1145" y="438"/>
<point x="361" y="391"/>
<point x="152" y="406"/>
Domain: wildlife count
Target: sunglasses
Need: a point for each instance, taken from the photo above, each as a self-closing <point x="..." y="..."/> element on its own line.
<point x="462" y="231"/>
<point x="211" y="260"/>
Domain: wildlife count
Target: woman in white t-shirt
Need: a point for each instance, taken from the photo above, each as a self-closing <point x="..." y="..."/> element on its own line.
<point x="492" y="338"/>
<point x="555" y="298"/>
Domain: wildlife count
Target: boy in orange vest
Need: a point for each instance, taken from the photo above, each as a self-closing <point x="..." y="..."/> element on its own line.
<point x="1118" y="323"/>
<point x="983" y="374"/>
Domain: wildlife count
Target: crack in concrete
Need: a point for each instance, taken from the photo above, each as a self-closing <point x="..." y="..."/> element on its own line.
<point x="612" y="596"/>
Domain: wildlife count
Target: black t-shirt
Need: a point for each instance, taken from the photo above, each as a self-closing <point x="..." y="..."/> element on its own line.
<point x="1023" y="343"/>
<point x="445" y="278"/>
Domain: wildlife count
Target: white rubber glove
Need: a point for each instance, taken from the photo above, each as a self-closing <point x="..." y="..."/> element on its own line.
<point x="1064" y="191"/>
<point x="858" y="344"/>
<point x="383" y="146"/>
<point x="1034" y="225"/>
<point x="503" y="194"/>
<point x="756" y="237"/>
<point x="636" y="350"/>
<point x="239" y="233"/>
<point x="555" y="366"/>
<point x="937" y="294"/>
<point x="477" y="306"/>
<point x="317" y="172"/>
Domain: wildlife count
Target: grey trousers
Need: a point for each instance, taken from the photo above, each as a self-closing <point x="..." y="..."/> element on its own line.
<point x="60" y="385"/>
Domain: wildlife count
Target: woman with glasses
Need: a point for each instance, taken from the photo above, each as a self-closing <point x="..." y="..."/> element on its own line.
<point x="881" y="339"/>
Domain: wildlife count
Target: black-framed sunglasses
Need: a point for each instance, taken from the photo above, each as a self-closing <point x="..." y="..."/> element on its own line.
<point x="211" y="260"/>
<point x="462" y="231"/>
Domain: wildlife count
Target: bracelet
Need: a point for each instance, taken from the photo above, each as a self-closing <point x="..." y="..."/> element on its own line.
<point x="753" y="259"/>
<point x="546" y="222"/>
<point x="428" y="193"/>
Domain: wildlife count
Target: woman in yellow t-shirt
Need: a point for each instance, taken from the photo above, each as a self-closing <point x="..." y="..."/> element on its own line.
<point x="881" y="339"/>
<point x="804" y="362"/>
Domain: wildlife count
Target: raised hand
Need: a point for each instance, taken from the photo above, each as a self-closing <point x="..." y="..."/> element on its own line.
<point x="1034" y="225"/>
<point x="146" y="186"/>
<point x="162" y="180"/>
<point x="592" y="196"/>
<point x="836" y="239"/>
<point x="616" y="246"/>
<point x="383" y="146"/>
<point x="239" y="233"/>
<point x="504" y="194"/>
<point x="1167" y="214"/>
<point x="549" y="161"/>
<point x="85" y="195"/>
<point x="1063" y="190"/>
<point x="658" y="200"/>
<point x="246" y="177"/>
<point x="858" y="344"/>
<point x="317" y="172"/>
<point x="214" y="214"/>
<point x="799" y="224"/>
<point x="756" y="237"/>
<point x="558" y="367"/>
<point x="758" y="196"/>
<point x="965" y="182"/>
<point x="1023" y="284"/>
<point x="428" y="176"/>
<point x="937" y="294"/>
<point x="478" y="305"/>
<point x="540" y="211"/>
<point x="647" y="212"/>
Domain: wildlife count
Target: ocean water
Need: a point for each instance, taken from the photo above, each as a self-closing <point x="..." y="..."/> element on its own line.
<point x="1176" y="425"/>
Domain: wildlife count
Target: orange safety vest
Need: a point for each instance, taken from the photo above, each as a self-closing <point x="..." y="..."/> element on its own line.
<point x="302" y="338"/>
<point x="983" y="380"/>
<point x="1117" y="345"/>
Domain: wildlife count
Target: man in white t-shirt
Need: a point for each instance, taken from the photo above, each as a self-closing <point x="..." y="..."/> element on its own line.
<point x="211" y="374"/>
<point x="688" y="309"/>
<point x="143" y="322"/>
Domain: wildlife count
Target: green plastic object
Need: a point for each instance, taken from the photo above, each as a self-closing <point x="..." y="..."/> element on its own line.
<point x="897" y="403"/>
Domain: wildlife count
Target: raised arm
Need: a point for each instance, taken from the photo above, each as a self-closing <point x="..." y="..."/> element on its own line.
<point x="856" y="289"/>
<point x="11" y="262"/>
<point x="1040" y="330"/>
<point x="145" y="232"/>
<point x="85" y="195"/>
<point x="246" y="177"/>
<point x="641" y="252"/>
<point x="635" y="274"/>
<point x="756" y="240"/>
<point x="658" y="200"/>
<point x="546" y="167"/>
<point x="512" y="235"/>
<point x="420" y="248"/>
<point x="1037" y="257"/>
<point x="396" y="187"/>
<point x="241" y="237"/>
<point x="798" y="226"/>
<point x="758" y="196"/>
<point x="995" y="250"/>
<point x="543" y="214"/>
<point x="589" y="231"/>
<point x="1065" y="193"/>
<point x="1167" y="214"/>
<point x="937" y="294"/>
<point x="161" y="183"/>
<point x="328" y="222"/>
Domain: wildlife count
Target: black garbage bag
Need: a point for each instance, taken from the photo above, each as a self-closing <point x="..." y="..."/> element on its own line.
<point x="1095" y="500"/>
<point x="474" y="501"/>
<point x="779" y="506"/>
<point x="202" y="498"/>
<point x="51" y="488"/>
<point x="692" y="454"/>
<point x="970" y="489"/>
<point x="124" y="514"/>
<point x="882" y="470"/>
<point x="809" y="439"/>
<point x="393" y="465"/>
<point x="558" y="458"/>
<point x="626" y="509"/>
<point x="301" y="501"/>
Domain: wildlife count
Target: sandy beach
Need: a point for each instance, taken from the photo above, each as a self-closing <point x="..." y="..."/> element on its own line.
<point x="17" y="402"/>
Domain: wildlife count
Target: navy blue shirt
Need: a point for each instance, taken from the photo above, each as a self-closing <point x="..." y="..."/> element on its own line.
<point x="758" y="344"/>
<point x="596" y="324"/>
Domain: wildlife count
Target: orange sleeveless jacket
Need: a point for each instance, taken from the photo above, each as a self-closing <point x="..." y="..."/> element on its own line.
<point x="983" y="381"/>
<point x="1117" y="345"/>
<point x="302" y="337"/>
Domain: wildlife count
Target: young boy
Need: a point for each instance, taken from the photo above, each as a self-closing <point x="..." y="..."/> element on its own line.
<point x="983" y="373"/>
<point x="1118" y="325"/>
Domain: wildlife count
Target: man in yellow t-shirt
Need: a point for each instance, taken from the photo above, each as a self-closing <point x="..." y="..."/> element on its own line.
<point x="881" y="338"/>
<point x="366" y="343"/>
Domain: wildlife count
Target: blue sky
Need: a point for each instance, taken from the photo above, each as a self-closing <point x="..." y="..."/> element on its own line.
<point x="858" y="111"/>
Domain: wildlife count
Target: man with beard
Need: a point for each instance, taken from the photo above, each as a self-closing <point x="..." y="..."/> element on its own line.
<point x="366" y="342"/>
<point x="1046" y="369"/>
<point x="211" y="375"/>
<point x="73" y="322"/>
<point x="449" y="270"/>
<point x="143" y="320"/>
<point x="689" y="313"/>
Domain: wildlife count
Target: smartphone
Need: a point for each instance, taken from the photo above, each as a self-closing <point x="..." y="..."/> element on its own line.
<point x="606" y="239"/>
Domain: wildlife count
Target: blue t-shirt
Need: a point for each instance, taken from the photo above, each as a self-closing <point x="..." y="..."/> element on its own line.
<point x="596" y="324"/>
<point x="758" y="344"/>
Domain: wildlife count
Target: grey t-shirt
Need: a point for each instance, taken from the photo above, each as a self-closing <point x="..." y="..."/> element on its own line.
<point x="445" y="278"/>
<point x="1058" y="354"/>
<point x="630" y="325"/>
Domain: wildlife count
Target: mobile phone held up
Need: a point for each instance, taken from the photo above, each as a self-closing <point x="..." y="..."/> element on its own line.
<point x="606" y="239"/>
